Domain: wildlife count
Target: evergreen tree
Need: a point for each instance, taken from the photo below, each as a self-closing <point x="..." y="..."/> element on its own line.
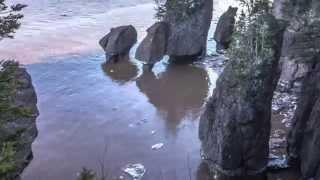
<point x="9" y="19"/>
<point x="182" y="9"/>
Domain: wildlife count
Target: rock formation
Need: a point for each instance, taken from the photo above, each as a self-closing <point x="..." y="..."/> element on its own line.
<point x="235" y="127"/>
<point x="301" y="39"/>
<point x="282" y="9"/>
<point x="154" y="46"/>
<point x="188" y="33"/>
<point x="119" y="41"/>
<point x="18" y="112"/>
<point x="304" y="138"/>
<point x="304" y="53"/>
<point x="225" y="27"/>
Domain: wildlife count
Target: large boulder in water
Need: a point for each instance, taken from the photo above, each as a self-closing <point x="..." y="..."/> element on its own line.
<point x="235" y="127"/>
<point x="119" y="40"/>
<point x="225" y="28"/>
<point x="154" y="46"/>
<point x="18" y="112"/>
<point x="189" y="28"/>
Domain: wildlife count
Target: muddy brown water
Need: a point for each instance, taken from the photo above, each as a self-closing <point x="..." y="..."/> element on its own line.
<point x="89" y="107"/>
<point x="95" y="113"/>
<point x="104" y="116"/>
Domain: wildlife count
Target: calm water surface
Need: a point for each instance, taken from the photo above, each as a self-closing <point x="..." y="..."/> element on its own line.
<point x="95" y="114"/>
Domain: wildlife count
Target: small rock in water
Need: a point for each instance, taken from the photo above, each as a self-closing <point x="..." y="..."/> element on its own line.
<point x="153" y="132"/>
<point x="157" y="146"/>
<point x="136" y="171"/>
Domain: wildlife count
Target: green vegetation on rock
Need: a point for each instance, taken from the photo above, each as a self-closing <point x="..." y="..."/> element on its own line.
<point x="8" y="88"/>
<point x="86" y="174"/>
<point x="182" y="9"/>
<point x="251" y="39"/>
<point x="7" y="162"/>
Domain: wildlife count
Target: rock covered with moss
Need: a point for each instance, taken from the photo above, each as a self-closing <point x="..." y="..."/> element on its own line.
<point x="235" y="127"/>
<point x="18" y="112"/>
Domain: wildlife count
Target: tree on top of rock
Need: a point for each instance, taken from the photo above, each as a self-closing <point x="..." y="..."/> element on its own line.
<point x="182" y="8"/>
<point x="251" y="34"/>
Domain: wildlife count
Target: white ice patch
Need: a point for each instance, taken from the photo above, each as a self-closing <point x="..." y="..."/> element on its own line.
<point x="136" y="171"/>
<point x="278" y="162"/>
<point x="157" y="146"/>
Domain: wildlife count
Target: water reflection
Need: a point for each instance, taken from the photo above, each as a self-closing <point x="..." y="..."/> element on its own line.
<point x="121" y="71"/>
<point x="177" y="93"/>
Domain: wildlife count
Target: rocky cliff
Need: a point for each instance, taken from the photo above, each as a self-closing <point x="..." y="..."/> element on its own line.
<point x="304" y="138"/>
<point x="235" y="128"/>
<point x="18" y="112"/>
<point x="301" y="39"/>
<point x="301" y="66"/>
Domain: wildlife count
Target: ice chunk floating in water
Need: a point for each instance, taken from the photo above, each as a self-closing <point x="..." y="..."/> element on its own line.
<point x="136" y="171"/>
<point x="157" y="146"/>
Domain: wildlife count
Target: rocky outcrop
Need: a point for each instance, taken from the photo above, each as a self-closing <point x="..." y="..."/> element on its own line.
<point x="301" y="39"/>
<point x="225" y="28"/>
<point x="282" y="9"/>
<point x="301" y="66"/>
<point x="189" y="31"/>
<point x="304" y="138"/>
<point x="18" y="112"/>
<point x="119" y="41"/>
<point x="235" y="127"/>
<point x="154" y="46"/>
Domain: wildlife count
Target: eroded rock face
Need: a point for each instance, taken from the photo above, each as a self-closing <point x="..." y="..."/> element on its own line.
<point x="188" y="36"/>
<point x="119" y="40"/>
<point x="18" y="112"/>
<point x="282" y="9"/>
<point x="235" y="127"/>
<point x="154" y="46"/>
<point x="301" y="40"/>
<point x="304" y="138"/>
<point x="225" y="28"/>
